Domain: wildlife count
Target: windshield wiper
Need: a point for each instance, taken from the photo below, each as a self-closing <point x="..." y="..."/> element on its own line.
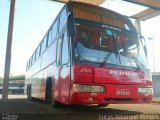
<point x="106" y="58"/>
<point x="138" y="66"/>
<point x="116" y="46"/>
<point x="136" y="61"/>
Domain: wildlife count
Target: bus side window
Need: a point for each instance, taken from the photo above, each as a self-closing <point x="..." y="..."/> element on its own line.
<point x="58" y="53"/>
<point x="40" y="49"/>
<point x="63" y="19"/>
<point x="53" y="33"/>
<point x="31" y="63"/>
<point x="44" y="44"/>
<point x="65" y="51"/>
<point x="38" y="52"/>
<point x="33" y="58"/>
<point x="55" y="30"/>
<point x="27" y="66"/>
<point x="50" y="37"/>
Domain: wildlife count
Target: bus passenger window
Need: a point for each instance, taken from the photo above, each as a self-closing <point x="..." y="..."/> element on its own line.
<point x="54" y="30"/>
<point x="58" y="51"/>
<point x="38" y="52"/>
<point x="44" y="43"/>
<point x="65" y="51"/>
<point x="63" y="19"/>
<point x="50" y="37"/>
<point x="33" y="58"/>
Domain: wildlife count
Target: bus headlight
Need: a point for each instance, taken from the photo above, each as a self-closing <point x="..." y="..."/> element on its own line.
<point x="84" y="88"/>
<point x="96" y="88"/>
<point x="148" y="91"/>
<point x="88" y="88"/>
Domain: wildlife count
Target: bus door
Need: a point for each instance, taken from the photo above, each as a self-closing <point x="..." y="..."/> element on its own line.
<point x="64" y="70"/>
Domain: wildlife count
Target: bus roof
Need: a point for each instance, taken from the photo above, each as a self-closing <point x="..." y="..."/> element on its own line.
<point x="101" y="12"/>
<point x="72" y="3"/>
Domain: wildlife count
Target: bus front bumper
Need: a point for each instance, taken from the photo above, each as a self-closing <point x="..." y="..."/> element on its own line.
<point x="114" y="94"/>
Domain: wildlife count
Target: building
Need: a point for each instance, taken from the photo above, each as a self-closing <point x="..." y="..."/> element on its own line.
<point x="16" y="85"/>
<point x="156" y="84"/>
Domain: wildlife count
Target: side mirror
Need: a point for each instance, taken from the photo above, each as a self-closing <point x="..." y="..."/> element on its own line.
<point x="71" y="24"/>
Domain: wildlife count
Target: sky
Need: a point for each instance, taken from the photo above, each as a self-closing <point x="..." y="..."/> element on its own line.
<point x="34" y="17"/>
<point x="32" y="20"/>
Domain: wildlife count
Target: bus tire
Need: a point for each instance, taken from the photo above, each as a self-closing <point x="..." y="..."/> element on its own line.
<point x="29" y="96"/>
<point x="48" y="91"/>
<point x="103" y="105"/>
<point x="54" y="103"/>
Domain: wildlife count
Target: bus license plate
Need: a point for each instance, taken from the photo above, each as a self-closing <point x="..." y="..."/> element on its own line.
<point x="122" y="92"/>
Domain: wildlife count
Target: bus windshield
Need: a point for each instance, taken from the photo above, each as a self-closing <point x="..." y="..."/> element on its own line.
<point x="99" y="44"/>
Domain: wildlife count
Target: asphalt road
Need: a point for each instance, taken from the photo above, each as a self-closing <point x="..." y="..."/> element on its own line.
<point x="22" y="109"/>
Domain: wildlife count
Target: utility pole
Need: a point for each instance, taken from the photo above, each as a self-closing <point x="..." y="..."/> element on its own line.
<point x="138" y="26"/>
<point x="151" y="39"/>
<point x="8" y="52"/>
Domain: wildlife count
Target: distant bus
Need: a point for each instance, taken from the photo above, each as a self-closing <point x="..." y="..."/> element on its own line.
<point x="89" y="55"/>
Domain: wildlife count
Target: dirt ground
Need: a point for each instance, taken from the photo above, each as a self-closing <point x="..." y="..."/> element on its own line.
<point x="22" y="109"/>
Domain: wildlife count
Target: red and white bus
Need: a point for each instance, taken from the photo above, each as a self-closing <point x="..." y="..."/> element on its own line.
<point x="89" y="55"/>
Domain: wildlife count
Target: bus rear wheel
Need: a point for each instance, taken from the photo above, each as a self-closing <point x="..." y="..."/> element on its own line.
<point x="103" y="105"/>
<point x="29" y="96"/>
<point x="49" y="98"/>
<point x="48" y="91"/>
<point x="54" y="103"/>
